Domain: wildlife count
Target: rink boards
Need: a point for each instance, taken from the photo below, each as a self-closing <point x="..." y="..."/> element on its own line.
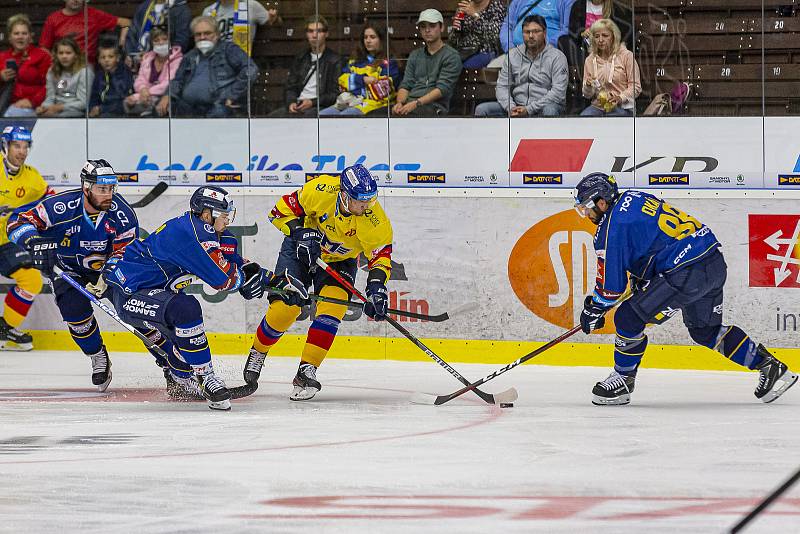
<point x="517" y="268"/>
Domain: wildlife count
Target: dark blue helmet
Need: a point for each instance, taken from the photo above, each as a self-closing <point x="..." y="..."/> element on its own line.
<point x="213" y="198"/>
<point x="593" y="187"/>
<point x="15" y="133"/>
<point x="98" y="171"/>
<point x="358" y="183"/>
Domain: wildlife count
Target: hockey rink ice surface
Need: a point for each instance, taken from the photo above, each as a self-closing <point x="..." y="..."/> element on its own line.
<point x="692" y="453"/>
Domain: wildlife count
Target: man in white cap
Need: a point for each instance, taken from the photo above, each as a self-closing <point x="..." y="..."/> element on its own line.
<point x="431" y="72"/>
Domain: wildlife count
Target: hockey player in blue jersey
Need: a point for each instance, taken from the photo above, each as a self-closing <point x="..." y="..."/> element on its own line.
<point x="674" y="263"/>
<point x="77" y="230"/>
<point x="146" y="283"/>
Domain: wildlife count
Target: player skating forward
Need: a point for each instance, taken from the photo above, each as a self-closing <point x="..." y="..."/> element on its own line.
<point x="77" y="230"/>
<point x="675" y="264"/>
<point x="337" y="218"/>
<point x="146" y="283"/>
<point x="20" y="184"/>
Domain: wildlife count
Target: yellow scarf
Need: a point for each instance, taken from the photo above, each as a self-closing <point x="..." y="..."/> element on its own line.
<point x="241" y="27"/>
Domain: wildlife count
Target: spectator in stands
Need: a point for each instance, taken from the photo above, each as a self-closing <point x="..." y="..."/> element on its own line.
<point x="69" y="22"/>
<point x="68" y="82"/>
<point x="610" y="75"/>
<point x="534" y="79"/>
<point x="369" y="82"/>
<point x="237" y="20"/>
<point x="431" y="72"/>
<point x="213" y="79"/>
<point x="157" y="69"/>
<point x="475" y="32"/>
<point x="113" y="83"/>
<point x="23" y="69"/>
<point x="553" y="11"/>
<point x="173" y="16"/>
<point x="584" y="13"/>
<point x="314" y="75"/>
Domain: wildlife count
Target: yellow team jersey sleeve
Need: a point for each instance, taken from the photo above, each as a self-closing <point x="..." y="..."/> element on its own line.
<point x="26" y="187"/>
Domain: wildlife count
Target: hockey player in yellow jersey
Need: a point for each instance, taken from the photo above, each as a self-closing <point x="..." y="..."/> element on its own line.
<point x="337" y="218"/>
<point x="20" y="184"/>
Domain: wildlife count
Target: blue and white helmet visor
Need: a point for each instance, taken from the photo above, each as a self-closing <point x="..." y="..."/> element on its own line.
<point x="217" y="195"/>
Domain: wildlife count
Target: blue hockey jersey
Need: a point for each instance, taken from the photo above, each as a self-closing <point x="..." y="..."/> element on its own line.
<point x="180" y="250"/>
<point x="85" y="241"/>
<point x="645" y="236"/>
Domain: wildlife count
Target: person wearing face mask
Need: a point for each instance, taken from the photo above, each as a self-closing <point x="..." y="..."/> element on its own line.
<point x="157" y="69"/>
<point x="173" y="16"/>
<point x="23" y="66"/>
<point x="213" y="79"/>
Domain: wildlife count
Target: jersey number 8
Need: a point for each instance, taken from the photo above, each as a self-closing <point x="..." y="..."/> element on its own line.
<point x="677" y="224"/>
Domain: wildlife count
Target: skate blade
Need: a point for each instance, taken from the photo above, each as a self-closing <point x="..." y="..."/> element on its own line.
<point x="786" y="381"/>
<point x="16" y="347"/>
<point x="302" y="394"/>
<point x="223" y="405"/>
<point x="104" y="386"/>
<point x="614" y="401"/>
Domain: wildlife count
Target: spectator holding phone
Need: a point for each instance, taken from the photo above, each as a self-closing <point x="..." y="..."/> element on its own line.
<point x="23" y="69"/>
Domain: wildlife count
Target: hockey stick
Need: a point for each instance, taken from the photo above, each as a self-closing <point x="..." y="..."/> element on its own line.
<point x="766" y="502"/>
<point x="236" y="393"/>
<point x="154" y="193"/>
<point x="360" y="305"/>
<point x="424" y="398"/>
<point x="509" y="395"/>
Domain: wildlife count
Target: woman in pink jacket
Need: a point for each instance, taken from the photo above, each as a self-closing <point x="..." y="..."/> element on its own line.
<point x="156" y="70"/>
<point x="610" y="75"/>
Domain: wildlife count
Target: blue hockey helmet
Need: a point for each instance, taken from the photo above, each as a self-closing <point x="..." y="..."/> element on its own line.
<point x="359" y="184"/>
<point x="15" y="133"/>
<point x="592" y="188"/>
<point x="98" y="171"/>
<point x="213" y="198"/>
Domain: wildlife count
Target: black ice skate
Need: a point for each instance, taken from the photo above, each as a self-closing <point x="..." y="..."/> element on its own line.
<point x="305" y="383"/>
<point x="182" y="388"/>
<point x="614" y="390"/>
<point x="215" y="391"/>
<point x="775" y="377"/>
<point x="252" y="368"/>
<point x="13" y="339"/>
<point x="101" y="369"/>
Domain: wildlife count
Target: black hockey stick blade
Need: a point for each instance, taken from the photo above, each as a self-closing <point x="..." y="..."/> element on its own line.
<point x="154" y="193"/>
<point x="243" y="391"/>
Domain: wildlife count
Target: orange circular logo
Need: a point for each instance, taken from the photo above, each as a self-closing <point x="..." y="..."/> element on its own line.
<point x="20" y="192"/>
<point x="553" y="266"/>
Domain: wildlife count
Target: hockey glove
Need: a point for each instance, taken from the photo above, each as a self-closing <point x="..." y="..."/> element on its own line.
<point x="638" y="284"/>
<point x="592" y="316"/>
<point x="99" y="288"/>
<point x="43" y="253"/>
<point x="309" y="245"/>
<point x="296" y="292"/>
<point x="256" y="281"/>
<point x="378" y="300"/>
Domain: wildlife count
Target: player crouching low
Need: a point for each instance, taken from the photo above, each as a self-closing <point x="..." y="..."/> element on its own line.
<point x="147" y="283"/>
<point x="674" y="264"/>
<point x="337" y="218"/>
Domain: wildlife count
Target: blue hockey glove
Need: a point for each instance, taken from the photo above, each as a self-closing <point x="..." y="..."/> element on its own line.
<point x="296" y="292"/>
<point x="256" y="281"/>
<point x="43" y="253"/>
<point x="309" y="245"/>
<point x="377" y="295"/>
<point x="592" y="316"/>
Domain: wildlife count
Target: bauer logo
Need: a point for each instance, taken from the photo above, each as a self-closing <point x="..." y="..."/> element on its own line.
<point x="542" y="179"/>
<point x="789" y="179"/>
<point x="426" y="178"/>
<point x="230" y="177"/>
<point x="128" y="177"/>
<point x="668" y="179"/>
<point x="552" y="267"/>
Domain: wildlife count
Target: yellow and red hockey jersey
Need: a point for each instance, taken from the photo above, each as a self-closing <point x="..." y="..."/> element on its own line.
<point x="346" y="236"/>
<point x="25" y="187"/>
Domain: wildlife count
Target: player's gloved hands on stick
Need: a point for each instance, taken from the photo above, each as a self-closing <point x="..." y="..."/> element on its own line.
<point x="309" y="245"/>
<point x="296" y="292"/>
<point x="592" y="316"/>
<point x="378" y="304"/>
<point x="256" y="281"/>
<point x="43" y="253"/>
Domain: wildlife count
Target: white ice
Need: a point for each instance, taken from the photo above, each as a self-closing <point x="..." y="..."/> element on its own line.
<point x="692" y="453"/>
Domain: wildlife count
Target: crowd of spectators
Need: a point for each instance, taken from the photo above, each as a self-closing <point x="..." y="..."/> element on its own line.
<point x="163" y="62"/>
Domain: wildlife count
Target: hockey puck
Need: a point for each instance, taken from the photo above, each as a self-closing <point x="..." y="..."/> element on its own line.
<point x="506" y="404"/>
